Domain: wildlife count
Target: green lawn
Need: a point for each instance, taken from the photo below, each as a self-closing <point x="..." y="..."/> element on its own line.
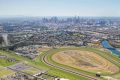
<point x="92" y="73"/>
<point x="5" y="62"/>
<point x="39" y="64"/>
<point x="56" y="72"/>
<point x="110" y="57"/>
<point x="31" y="71"/>
<point x="4" y="72"/>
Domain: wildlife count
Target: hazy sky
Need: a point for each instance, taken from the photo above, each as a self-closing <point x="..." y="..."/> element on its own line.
<point x="60" y="7"/>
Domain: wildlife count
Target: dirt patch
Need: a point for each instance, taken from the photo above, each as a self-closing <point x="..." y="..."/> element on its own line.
<point x="85" y="60"/>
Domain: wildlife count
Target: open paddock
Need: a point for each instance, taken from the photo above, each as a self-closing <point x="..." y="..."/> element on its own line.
<point x="85" y="60"/>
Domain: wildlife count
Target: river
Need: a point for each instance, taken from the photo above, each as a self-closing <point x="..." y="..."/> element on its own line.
<point x="106" y="45"/>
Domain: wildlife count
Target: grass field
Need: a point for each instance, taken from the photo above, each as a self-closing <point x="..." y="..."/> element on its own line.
<point x="6" y="63"/>
<point x="85" y="60"/>
<point x="115" y="44"/>
<point x="31" y="71"/>
<point x="56" y="72"/>
<point x="107" y="55"/>
<point x="5" y="72"/>
<point x="39" y="64"/>
<point x="113" y="59"/>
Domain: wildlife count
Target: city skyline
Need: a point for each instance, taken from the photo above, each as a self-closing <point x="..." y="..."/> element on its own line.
<point x="59" y="8"/>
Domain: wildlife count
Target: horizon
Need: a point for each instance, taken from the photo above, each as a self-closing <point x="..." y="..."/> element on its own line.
<point x="21" y="16"/>
<point x="46" y="8"/>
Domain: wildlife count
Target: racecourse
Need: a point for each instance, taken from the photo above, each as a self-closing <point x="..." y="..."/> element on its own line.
<point x="47" y="60"/>
<point x="109" y="62"/>
<point x="85" y="60"/>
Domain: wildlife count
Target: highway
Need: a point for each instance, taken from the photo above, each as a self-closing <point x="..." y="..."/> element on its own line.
<point x="44" y="59"/>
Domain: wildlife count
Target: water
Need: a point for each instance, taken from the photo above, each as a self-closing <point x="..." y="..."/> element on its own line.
<point x="106" y="45"/>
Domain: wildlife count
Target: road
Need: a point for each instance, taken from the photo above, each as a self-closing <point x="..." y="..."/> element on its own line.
<point x="44" y="59"/>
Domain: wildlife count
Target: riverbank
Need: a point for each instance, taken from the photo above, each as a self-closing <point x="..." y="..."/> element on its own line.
<point x="107" y="45"/>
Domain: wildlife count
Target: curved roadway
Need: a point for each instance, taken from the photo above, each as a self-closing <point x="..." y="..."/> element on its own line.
<point x="44" y="59"/>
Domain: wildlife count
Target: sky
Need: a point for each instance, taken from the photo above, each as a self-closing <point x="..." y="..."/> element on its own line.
<point x="60" y="8"/>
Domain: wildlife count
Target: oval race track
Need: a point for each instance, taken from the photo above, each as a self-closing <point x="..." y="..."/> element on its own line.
<point x="44" y="59"/>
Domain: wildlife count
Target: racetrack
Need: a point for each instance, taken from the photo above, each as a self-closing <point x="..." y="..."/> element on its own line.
<point x="85" y="60"/>
<point x="45" y="60"/>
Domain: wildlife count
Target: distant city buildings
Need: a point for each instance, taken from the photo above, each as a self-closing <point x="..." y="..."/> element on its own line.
<point x="60" y="31"/>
